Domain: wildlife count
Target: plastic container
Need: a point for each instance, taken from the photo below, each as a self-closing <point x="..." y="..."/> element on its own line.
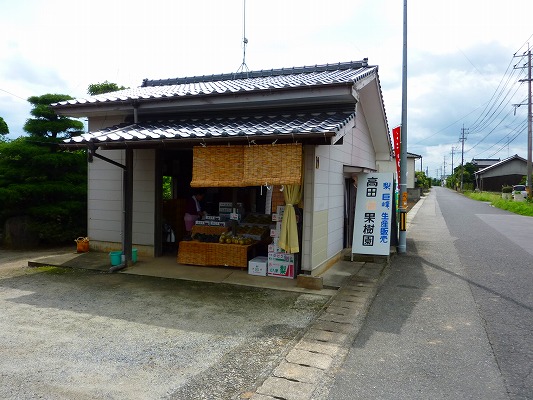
<point x="134" y="255"/>
<point x="116" y="257"/>
<point x="82" y="244"/>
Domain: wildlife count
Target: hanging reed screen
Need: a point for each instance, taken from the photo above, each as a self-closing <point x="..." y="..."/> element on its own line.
<point x="239" y="166"/>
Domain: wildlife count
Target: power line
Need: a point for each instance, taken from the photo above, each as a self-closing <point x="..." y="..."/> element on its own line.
<point x="489" y="114"/>
<point x="452" y="124"/>
<point x="490" y="132"/>
<point x="510" y="141"/>
<point x="521" y="127"/>
<point x="14" y="95"/>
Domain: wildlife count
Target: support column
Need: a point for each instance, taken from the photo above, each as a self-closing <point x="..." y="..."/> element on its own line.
<point x="127" y="239"/>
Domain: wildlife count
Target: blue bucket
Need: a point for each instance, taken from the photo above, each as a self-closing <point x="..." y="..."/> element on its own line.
<point x="116" y="257"/>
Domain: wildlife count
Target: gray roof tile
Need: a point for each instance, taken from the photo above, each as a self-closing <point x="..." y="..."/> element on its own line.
<point x="239" y="126"/>
<point x="275" y="79"/>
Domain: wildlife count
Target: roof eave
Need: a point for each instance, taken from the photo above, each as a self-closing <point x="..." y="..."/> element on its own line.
<point x="308" y="95"/>
<point x="311" y="138"/>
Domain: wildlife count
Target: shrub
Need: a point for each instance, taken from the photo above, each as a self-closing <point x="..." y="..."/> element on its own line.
<point x="44" y="186"/>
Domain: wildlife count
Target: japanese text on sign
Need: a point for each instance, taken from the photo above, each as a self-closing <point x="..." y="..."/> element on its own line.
<point x="372" y="223"/>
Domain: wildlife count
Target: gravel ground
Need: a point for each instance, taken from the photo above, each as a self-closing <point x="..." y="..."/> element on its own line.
<point x="69" y="333"/>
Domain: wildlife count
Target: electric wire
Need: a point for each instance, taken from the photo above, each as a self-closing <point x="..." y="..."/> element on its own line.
<point x="496" y="126"/>
<point x="510" y="141"/>
<point x="494" y="109"/>
<point x="522" y="125"/>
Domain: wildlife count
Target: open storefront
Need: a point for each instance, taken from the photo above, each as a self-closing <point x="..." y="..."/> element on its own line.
<point x="257" y="190"/>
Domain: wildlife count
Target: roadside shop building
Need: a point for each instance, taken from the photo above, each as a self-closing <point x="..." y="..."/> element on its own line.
<point x="333" y="114"/>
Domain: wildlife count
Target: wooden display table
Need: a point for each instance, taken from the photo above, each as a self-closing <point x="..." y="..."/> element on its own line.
<point x="214" y="254"/>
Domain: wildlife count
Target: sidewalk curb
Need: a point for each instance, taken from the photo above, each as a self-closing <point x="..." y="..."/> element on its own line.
<point x="306" y="371"/>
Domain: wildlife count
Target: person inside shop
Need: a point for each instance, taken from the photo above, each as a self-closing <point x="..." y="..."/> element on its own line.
<point x="193" y="210"/>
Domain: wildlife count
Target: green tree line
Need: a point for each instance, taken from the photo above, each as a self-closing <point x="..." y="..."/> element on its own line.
<point x="43" y="189"/>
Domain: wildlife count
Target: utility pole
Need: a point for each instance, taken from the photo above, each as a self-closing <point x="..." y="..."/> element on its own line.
<point x="402" y="237"/>
<point x="453" y="151"/>
<point x="529" y="123"/>
<point x="462" y="139"/>
<point x="445" y="167"/>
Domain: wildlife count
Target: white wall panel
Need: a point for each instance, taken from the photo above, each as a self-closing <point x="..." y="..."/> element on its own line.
<point x="105" y="203"/>
<point x="327" y="237"/>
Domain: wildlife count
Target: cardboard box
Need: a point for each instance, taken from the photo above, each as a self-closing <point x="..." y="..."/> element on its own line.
<point x="258" y="266"/>
<point x="280" y="269"/>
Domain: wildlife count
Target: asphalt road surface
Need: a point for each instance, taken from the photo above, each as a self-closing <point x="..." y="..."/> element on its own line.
<point x="496" y="249"/>
<point x="79" y="334"/>
<point x="454" y="319"/>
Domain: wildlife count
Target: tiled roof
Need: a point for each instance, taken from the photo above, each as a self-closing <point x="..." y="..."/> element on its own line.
<point x="275" y="79"/>
<point x="293" y="125"/>
<point x="499" y="163"/>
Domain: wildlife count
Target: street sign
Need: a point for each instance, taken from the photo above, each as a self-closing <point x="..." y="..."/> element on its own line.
<point x="373" y="212"/>
<point x="404" y="200"/>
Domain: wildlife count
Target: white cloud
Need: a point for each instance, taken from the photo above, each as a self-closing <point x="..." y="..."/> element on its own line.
<point x="458" y="51"/>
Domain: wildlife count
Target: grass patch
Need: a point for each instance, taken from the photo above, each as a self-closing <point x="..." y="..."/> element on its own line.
<point x="495" y="199"/>
<point x="52" y="270"/>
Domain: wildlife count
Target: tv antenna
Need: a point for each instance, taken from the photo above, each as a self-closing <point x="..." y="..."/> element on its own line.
<point x="244" y="68"/>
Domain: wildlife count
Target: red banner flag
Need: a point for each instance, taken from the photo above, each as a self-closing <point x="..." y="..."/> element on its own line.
<point x="396" y="136"/>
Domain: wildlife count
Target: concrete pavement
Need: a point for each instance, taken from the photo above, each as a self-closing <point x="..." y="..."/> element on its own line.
<point x="424" y="337"/>
<point x="309" y="368"/>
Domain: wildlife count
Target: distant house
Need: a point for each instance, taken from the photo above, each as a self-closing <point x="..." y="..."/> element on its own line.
<point x="390" y="166"/>
<point x="334" y="114"/>
<point x="481" y="163"/>
<point x="506" y="172"/>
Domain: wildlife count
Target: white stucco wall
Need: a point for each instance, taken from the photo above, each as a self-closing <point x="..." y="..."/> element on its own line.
<point x="324" y="192"/>
<point x="105" y="201"/>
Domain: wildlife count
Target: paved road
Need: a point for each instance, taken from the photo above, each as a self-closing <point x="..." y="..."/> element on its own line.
<point x="496" y="249"/>
<point x="454" y="318"/>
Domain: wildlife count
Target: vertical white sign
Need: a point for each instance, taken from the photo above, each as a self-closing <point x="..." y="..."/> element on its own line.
<point x="373" y="211"/>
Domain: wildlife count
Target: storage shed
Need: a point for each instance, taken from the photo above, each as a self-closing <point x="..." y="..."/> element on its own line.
<point x="506" y="172"/>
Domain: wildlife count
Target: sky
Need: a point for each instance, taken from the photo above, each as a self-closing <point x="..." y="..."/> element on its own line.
<point x="465" y="65"/>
